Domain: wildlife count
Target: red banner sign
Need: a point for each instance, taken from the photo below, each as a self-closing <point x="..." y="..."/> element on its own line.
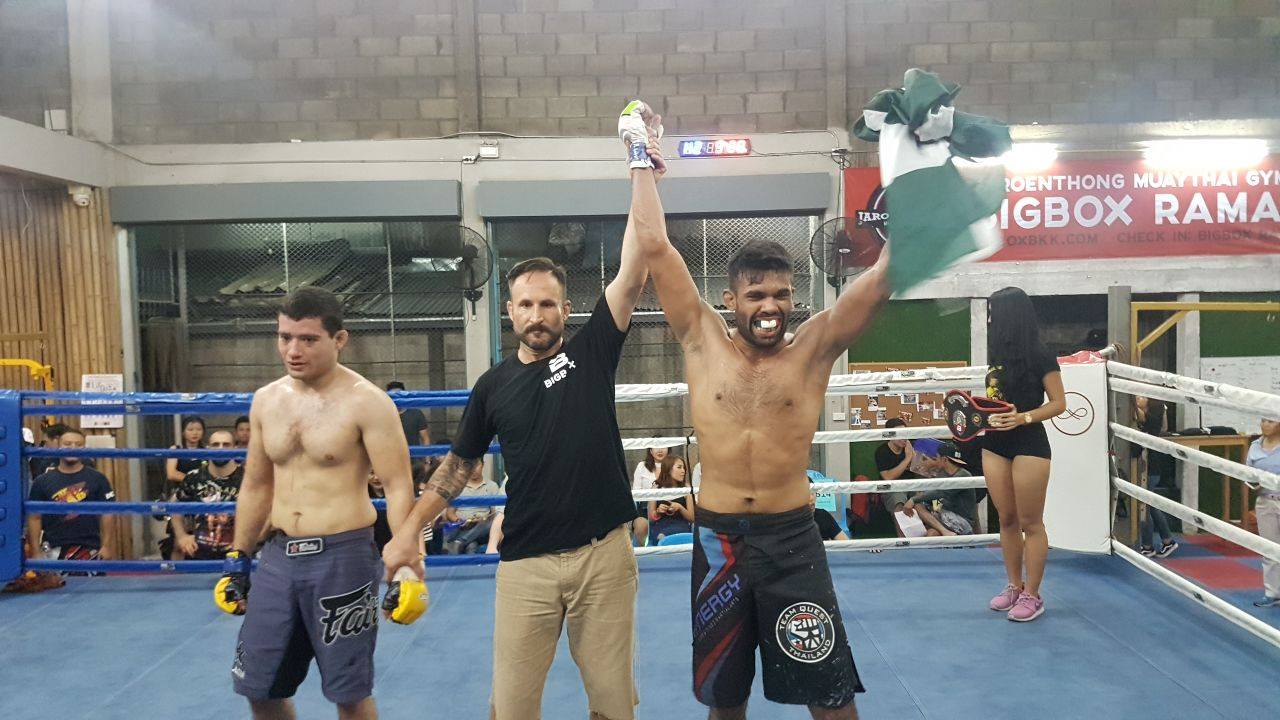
<point x="1115" y="209"/>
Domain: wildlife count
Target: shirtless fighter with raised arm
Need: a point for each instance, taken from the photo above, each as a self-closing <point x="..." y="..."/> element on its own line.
<point x="760" y="575"/>
<point x="316" y="434"/>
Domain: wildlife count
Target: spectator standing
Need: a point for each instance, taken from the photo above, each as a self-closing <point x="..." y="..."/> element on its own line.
<point x="1264" y="454"/>
<point x="668" y="517"/>
<point x="210" y="534"/>
<point x="71" y="537"/>
<point x="412" y="420"/>
<point x="1160" y="471"/>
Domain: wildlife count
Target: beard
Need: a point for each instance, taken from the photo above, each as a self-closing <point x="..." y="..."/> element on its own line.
<point x="545" y="342"/>
<point x="747" y="330"/>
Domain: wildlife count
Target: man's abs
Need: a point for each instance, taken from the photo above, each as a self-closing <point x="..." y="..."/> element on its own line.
<point x="317" y="501"/>
<point x="745" y="472"/>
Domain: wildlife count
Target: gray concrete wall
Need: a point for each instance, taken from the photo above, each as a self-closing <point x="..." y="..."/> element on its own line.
<point x="348" y="69"/>
<point x="34" y="70"/>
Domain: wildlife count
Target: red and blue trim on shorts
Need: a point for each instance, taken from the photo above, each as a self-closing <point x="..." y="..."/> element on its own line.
<point x="722" y="562"/>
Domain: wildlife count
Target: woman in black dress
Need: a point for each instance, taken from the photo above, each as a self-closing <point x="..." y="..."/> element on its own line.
<point x="1016" y="454"/>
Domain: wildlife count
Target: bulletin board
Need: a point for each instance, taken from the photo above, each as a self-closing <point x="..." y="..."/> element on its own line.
<point x="870" y="412"/>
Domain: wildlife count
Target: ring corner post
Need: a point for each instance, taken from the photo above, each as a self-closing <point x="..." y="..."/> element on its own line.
<point x="10" y="485"/>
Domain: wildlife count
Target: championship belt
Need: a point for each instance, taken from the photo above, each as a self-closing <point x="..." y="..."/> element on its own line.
<point x="969" y="416"/>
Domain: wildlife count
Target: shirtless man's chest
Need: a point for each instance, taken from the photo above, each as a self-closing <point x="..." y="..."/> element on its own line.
<point x="754" y="419"/>
<point x="320" y="466"/>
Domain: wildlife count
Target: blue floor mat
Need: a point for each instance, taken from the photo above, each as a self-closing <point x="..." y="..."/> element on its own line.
<point x="1113" y="643"/>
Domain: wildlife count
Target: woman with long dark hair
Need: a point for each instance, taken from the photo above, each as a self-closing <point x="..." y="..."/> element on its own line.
<point x="192" y="437"/>
<point x="645" y="477"/>
<point x="1015" y="453"/>
<point x="668" y="517"/>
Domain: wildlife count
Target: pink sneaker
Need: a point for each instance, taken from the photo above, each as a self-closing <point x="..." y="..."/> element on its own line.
<point x="1026" y="609"/>
<point x="1005" y="600"/>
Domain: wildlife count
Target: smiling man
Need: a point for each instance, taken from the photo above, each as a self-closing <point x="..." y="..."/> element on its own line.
<point x="760" y="575"/>
<point x="316" y="433"/>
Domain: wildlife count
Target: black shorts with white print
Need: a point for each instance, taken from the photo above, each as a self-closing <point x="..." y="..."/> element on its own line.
<point x="762" y="580"/>
<point x="311" y="598"/>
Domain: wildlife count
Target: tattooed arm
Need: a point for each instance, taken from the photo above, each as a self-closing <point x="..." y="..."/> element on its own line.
<point x="446" y="483"/>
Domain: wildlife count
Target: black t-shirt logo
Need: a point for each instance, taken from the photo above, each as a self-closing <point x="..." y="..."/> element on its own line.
<point x="349" y="614"/>
<point x="559" y="366"/>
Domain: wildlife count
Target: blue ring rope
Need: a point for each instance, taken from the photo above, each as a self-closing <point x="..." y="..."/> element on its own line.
<point x="209" y="567"/>
<point x="416" y="451"/>
<point x="98" y="507"/>
<point x="210" y="397"/>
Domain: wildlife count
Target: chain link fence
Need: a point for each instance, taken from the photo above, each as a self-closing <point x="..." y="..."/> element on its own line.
<point x="207" y="297"/>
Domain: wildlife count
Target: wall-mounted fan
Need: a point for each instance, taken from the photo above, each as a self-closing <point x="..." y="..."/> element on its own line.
<point x="471" y="257"/>
<point x="840" y="249"/>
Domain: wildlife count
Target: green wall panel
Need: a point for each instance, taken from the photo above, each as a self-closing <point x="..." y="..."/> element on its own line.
<point x="908" y="331"/>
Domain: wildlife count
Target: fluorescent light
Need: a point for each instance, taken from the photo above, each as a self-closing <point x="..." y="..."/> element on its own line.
<point x="1027" y="157"/>
<point x="1198" y="154"/>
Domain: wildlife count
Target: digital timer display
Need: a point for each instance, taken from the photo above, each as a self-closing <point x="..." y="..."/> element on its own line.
<point x="715" y="147"/>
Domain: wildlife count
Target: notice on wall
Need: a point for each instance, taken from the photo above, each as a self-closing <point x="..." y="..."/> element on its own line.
<point x="1083" y="209"/>
<point x="101" y="384"/>
<point x="1253" y="373"/>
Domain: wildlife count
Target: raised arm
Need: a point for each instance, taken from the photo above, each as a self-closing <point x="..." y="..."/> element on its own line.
<point x="640" y="130"/>
<point x="388" y="454"/>
<point x="677" y="292"/>
<point x="837" y="328"/>
<point x="624" y="290"/>
<point x="257" y="489"/>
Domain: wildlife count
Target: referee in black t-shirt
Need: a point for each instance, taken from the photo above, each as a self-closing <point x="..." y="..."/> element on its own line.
<point x="566" y="549"/>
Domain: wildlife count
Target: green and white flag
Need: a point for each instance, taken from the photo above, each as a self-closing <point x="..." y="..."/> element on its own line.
<point x="942" y="202"/>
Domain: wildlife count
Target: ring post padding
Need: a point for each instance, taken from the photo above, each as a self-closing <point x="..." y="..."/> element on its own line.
<point x="10" y="485"/>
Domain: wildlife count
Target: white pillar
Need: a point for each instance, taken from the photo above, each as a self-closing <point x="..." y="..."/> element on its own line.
<point x="126" y="261"/>
<point x="89" y="56"/>
<point x="977" y="331"/>
<point x="1188" y="415"/>
<point x="478" y="326"/>
<point x="978" y="356"/>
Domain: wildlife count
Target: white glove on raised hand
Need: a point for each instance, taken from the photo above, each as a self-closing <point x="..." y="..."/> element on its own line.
<point x="637" y="125"/>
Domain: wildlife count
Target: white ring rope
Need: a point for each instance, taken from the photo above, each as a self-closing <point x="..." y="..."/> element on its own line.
<point x="1250" y="475"/>
<point x="1158" y="392"/>
<point x="1199" y="594"/>
<point x="867" y="544"/>
<point x="1224" y="530"/>
<point x="823" y="437"/>
<point x="1203" y="392"/>
<point x="850" y="488"/>
<point x="895" y="381"/>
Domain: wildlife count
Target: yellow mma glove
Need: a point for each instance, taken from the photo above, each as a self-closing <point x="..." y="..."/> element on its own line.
<point x="407" y="597"/>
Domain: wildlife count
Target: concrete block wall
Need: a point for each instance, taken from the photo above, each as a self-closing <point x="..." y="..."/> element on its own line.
<point x="34" y="73"/>
<point x="1077" y="61"/>
<point x="274" y="70"/>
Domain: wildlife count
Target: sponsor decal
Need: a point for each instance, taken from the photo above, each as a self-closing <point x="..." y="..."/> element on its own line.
<point x="349" y="614"/>
<point x="1077" y="418"/>
<point x="724" y="597"/>
<point x="805" y="632"/>
<point x="304" y="546"/>
<point x="559" y="367"/>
